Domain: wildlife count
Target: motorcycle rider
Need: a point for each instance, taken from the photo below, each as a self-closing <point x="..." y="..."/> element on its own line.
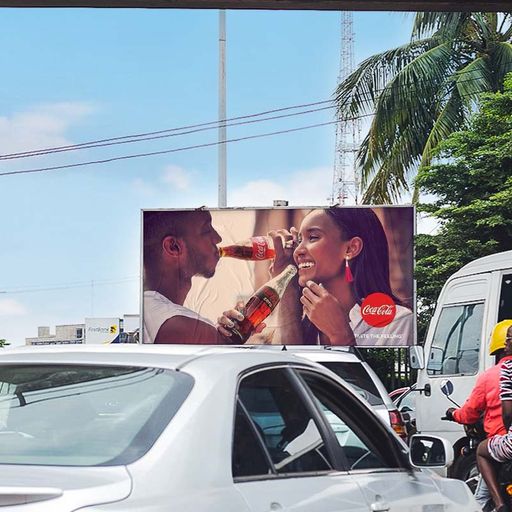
<point x="498" y="448"/>
<point x="485" y="399"/>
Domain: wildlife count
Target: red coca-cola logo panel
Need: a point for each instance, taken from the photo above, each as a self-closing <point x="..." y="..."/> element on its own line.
<point x="378" y="309"/>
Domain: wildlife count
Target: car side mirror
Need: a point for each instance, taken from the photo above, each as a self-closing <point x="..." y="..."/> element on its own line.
<point x="430" y="451"/>
<point x="416" y="357"/>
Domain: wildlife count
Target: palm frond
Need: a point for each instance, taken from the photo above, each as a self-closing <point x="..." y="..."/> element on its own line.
<point x="473" y="79"/>
<point x="445" y="24"/>
<point x="449" y="120"/>
<point x="501" y="63"/>
<point x="408" y="101"/>
<point x="484" y="25"/>
<point x="358" y="92"/>
<point x="507" y="34"/>
<point x="395" y="166"/>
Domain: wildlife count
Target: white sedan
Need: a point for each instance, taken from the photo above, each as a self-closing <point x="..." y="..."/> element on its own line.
<point x="197" y="429"/>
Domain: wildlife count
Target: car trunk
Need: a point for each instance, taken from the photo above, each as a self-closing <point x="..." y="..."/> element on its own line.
<point x="60" y="489"/>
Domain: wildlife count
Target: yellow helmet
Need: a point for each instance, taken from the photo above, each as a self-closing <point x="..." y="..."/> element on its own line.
<point x="499" y="333"/>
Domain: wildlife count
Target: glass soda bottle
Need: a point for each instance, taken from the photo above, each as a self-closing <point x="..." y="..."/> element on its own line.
<point x="255" y="249"/>
<point x="261" y="304"/>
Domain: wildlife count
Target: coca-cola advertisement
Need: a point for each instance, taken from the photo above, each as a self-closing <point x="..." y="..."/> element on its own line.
<point x="312" y="276"/>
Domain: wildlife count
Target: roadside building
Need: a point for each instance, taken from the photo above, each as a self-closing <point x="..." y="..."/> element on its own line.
<point x="94" y="331"/>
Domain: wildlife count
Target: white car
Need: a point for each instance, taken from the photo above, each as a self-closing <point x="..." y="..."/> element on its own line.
<point x="193" y="429"/>
<point x="345" y="363"/>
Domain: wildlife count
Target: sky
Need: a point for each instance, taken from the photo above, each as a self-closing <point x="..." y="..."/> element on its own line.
<point x="70" y="239"/>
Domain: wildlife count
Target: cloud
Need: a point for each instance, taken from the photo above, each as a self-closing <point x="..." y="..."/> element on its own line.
<point x="11" y="307"/>
<point x="41" y="127"/>
<point x="303" y="188"/>
<point x="144" y="188"/>
<point x="177" y="177"/>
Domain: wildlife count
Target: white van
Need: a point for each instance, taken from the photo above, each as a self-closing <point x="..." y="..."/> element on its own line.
<point x="471" y="302"/>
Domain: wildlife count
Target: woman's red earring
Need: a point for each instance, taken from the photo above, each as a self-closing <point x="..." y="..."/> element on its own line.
<point x="348" y="273"/>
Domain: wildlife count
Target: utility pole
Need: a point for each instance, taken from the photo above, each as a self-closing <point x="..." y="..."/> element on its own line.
<point x="222" y="163"/>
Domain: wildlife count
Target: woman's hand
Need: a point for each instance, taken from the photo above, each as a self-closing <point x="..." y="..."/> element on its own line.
<point x="284" y="244"/>
<point x="326" y="313"/>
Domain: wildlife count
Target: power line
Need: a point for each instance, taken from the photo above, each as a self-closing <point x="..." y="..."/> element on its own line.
<point x="153" y="137"/>
<point x="166" y="151"/>
<point x="195" y="128"/>
<point x="69" y="286"/>
<point x="211" y="124"/>
<point x="187" y="148"/>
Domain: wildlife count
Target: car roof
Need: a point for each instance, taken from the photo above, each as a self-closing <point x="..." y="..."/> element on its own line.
<point x="160" y="356"/>
<point x="498" y="261"/>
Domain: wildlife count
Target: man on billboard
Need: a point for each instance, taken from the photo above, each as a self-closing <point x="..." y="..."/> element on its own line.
<point x="177" y="246"/>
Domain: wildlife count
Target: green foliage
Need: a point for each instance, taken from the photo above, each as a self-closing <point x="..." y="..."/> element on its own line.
<point x="472" y="184"/>
<point x="3" y="343"/>
<point x="422" y="92"/>
<point x="390" y="364"/>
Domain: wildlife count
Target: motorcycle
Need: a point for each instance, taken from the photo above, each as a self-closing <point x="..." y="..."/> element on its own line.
<point x="465" y="466"/>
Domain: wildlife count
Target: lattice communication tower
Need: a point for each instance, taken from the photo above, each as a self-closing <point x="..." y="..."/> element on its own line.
<point x="346" y="181"/>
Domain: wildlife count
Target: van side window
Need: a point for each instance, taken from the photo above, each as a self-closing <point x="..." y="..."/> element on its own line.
<point x="505" y="308"/>
<point x="456" y="342"/>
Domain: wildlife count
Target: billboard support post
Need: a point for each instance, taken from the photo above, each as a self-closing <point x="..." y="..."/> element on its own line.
<point x="222" y="110"/>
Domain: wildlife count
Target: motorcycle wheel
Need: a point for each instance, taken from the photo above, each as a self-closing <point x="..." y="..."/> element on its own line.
<point x="466" y="469"/>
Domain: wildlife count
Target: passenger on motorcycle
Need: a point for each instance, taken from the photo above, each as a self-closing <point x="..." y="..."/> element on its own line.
<point x="484" y="401"/>
<point x="498" y="448"/>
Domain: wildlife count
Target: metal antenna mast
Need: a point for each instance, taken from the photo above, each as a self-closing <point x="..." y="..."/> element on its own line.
<point x="346" y="182"/>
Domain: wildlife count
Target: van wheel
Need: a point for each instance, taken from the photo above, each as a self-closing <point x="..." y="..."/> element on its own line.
<point x="466" y="469"/>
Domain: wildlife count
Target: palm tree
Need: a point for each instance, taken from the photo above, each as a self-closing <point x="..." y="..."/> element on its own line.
<point x="421" y="92"/>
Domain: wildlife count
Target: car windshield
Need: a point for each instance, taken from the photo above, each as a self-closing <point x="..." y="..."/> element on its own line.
<point x="77" y="415"/>
<point x="358" y="378"/>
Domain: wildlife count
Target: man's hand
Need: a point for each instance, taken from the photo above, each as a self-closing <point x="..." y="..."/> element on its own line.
<point x="449" y="413"/>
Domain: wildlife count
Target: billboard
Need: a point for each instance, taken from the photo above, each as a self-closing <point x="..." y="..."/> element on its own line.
<point x="314" y="276"/>
<point x="102" y="330"/>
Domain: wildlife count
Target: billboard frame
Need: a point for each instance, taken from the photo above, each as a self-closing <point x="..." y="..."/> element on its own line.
<point x="291" y="208"/>
<point x="312" y="5"/>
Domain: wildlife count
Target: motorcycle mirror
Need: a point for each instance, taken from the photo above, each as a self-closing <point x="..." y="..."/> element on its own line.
<point x="446" y="387"/>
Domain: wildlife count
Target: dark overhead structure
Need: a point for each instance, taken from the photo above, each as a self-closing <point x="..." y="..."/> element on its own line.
<point x="320" y="5"/>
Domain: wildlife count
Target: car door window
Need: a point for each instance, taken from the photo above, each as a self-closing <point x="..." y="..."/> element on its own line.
<point x="360" y="435"/>
<point x="285" y="423"/>
<point x="249" y="457"/>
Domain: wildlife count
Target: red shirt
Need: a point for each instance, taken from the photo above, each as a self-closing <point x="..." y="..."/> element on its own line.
<point x="485" y="399"/>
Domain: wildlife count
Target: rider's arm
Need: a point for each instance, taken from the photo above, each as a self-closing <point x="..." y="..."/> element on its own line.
<point x="506" y="393"/>
<point x="506" y="412"/>
<point x="475" y="405"/>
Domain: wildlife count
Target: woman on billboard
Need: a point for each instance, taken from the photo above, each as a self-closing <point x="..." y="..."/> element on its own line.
<point x="343" y="260"/>
<point x="344" y="296"/>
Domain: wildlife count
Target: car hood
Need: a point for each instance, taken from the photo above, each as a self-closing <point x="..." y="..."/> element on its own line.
<point x="60" y="489"/>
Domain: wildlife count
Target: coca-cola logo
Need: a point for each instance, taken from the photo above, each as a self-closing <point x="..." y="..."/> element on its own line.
<point x="378" y="309"/>
<point x="259" y="245"/>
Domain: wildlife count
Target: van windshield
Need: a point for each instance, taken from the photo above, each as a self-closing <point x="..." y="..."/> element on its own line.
<point x="456" y="342"/>
<point x="355" y="375"/>
<point x="77" y="415"/>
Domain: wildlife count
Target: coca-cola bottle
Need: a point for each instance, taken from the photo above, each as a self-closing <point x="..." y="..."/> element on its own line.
<point x="256" y="248"/>
<point x="261" y="304"/>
